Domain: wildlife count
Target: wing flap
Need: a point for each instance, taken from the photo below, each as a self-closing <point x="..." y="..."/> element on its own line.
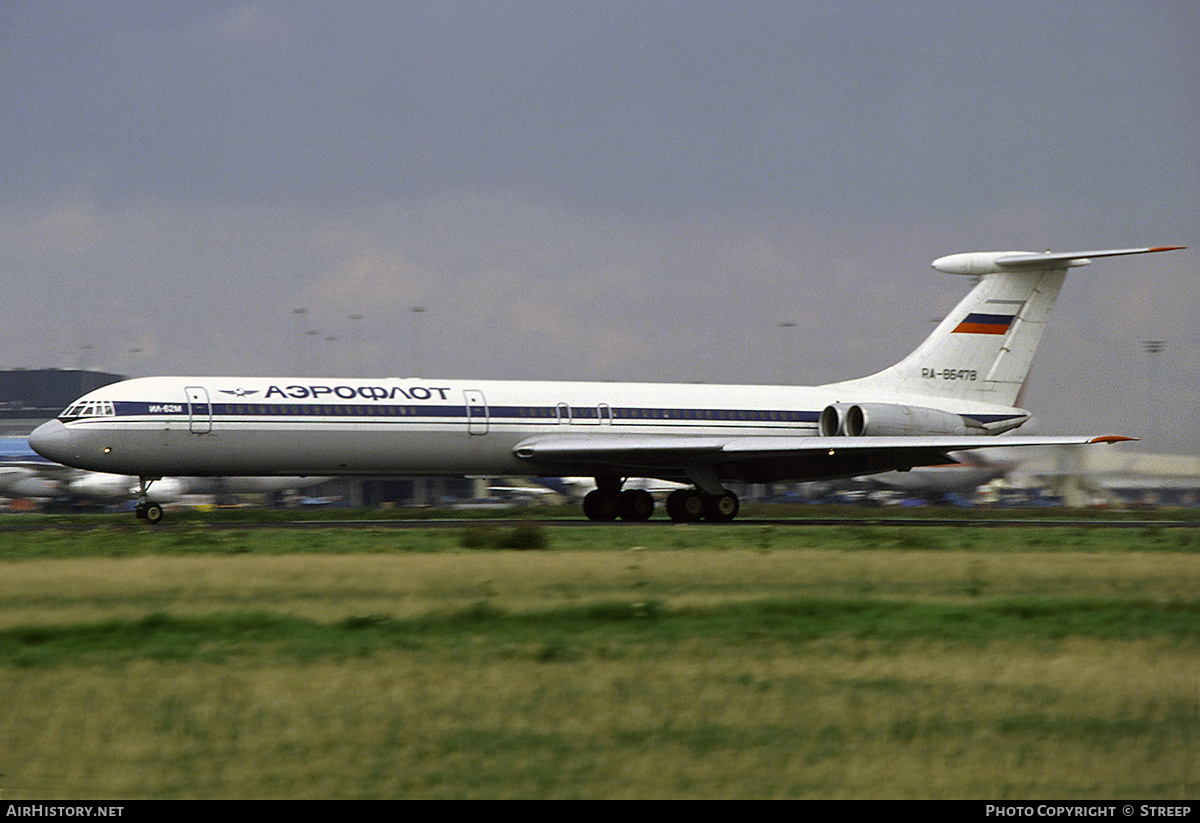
<point x="761" y="459"/>
<point x="967" y="443"/>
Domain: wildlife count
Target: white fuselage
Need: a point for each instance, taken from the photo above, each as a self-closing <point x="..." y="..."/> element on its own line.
<point x="162" y="426"/>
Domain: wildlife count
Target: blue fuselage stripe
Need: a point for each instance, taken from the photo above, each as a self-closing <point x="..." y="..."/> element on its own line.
<point x="594" y="415"/>
<point x="126" y="409"/>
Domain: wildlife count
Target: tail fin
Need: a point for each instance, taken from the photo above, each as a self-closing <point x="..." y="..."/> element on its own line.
<point x="983" y="349"/>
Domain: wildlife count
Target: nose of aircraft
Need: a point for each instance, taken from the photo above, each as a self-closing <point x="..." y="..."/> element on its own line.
<point x="52" y="441"/>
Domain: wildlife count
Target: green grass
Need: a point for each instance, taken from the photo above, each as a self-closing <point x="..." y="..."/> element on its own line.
<point x="590" y="629"/>
<point x="599" y="661"/>
<point x="109" y="538"/>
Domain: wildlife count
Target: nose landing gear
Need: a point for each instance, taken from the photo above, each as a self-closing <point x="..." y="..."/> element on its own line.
<point x="152" y="513"/>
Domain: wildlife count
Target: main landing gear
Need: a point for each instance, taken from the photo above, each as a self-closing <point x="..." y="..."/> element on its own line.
<point x="692" y="505"/>
<point x="609" y="502"/>
<point x="152" y="513"/>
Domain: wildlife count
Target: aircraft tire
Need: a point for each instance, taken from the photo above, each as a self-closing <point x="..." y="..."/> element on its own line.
<point x="603" y="506"/>
<point x="153" y="513"/>
<point x="721" y="508"/>
<point x="636" y="505"/>
<point x="673" y="504"/>
<point x="686" y="506"/>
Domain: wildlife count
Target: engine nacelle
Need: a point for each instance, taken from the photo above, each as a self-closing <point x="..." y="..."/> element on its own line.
<point x="890" y="420"/>
<point x="833" y="420"/>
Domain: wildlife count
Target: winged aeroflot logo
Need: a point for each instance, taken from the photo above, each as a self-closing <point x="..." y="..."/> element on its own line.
<point x="239" y="392"/>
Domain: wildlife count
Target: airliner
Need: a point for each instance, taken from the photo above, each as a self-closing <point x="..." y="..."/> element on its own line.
<point x="950" y="394"/>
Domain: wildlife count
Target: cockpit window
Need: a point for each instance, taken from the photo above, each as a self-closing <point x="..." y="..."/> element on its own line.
<point x="89" y="408"/>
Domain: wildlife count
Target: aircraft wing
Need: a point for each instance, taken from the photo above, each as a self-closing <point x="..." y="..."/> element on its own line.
<point x="709" y="460"/>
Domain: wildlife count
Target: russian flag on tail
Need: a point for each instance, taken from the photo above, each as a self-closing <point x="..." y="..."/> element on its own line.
<point x="978" y="323"/>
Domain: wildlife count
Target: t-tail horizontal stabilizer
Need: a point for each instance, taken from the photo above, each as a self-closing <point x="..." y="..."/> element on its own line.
<point x="983" y="349"/>
<point x="992" y="262"/>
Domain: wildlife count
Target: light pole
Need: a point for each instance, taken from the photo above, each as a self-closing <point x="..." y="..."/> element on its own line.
<point x="299" y="314"/>
<point x="356" y="344"/>
<point x="315" y="336"/>
<point x="84" y="348"/>
<point x="785" y="351"/>
<point x="132" y="353"/>
<point x="329" y="361"/>
<point x="417" y="366"/>
<point x="1153" y="349"/>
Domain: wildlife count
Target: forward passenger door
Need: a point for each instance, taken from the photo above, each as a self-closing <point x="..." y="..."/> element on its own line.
<point x="477" y="412"/>
<point x="199" y="410"/>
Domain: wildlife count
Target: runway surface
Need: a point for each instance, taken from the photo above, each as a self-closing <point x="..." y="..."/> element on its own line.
<point x="778" y="522"/>
<point x="83" y="523"/>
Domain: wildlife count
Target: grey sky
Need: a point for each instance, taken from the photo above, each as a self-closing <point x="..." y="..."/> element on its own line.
<point x="616" y="190"/>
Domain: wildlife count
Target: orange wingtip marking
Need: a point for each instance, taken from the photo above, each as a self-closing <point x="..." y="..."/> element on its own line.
<point x="1166" y="248"/>
<point x="1111" y="438"/>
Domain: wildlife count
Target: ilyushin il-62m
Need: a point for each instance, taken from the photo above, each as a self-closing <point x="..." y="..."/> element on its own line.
<point x="954" y="391"/>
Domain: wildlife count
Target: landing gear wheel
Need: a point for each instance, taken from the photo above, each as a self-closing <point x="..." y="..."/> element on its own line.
<point x="673" y="505"/>
<point x="636" y="504"/>
<point x="601" y="505"/>
<point x="721" y="508"/>
<point x="150" y="512"/>
<point x="685" y="506"/>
